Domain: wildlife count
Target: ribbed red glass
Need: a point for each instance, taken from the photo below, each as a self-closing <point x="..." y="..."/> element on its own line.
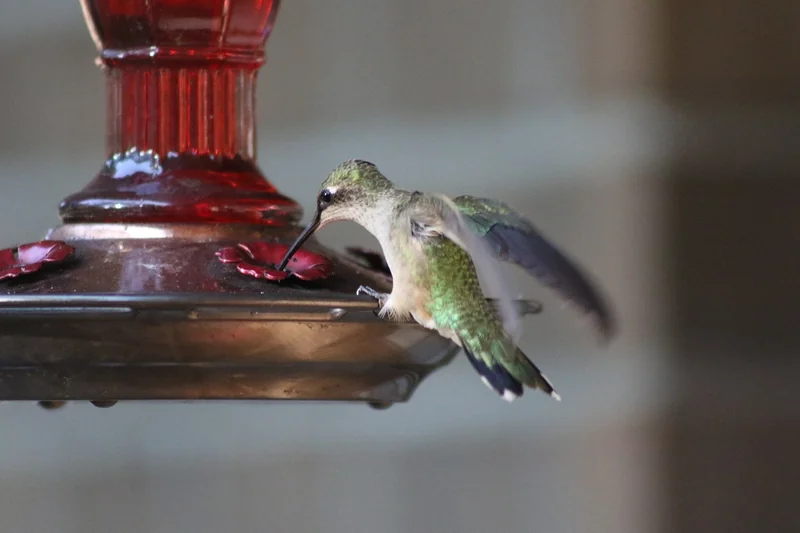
<point x="181" y="134"/>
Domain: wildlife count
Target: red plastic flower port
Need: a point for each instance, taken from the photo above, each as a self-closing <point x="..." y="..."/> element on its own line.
<point x="260" y="260"/>
<point x="29" y="258"/>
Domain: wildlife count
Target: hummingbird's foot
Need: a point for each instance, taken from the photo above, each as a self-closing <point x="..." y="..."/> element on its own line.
<point x="372" y="293"/>
<point x="369" y="291"/>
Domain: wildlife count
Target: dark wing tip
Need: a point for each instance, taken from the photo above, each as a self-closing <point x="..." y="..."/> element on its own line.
<point x="596" y="311"/>
<point x="542" y="260"/>
<point x="607" y="324"/>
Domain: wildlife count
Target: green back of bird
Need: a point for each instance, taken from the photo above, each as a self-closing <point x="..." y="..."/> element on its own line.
<point x="458" y="303"/>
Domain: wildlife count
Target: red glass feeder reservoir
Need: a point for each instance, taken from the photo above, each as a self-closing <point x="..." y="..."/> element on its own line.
<point x="142" y="305"/>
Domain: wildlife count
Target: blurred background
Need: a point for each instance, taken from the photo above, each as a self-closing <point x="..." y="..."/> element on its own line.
<point x="655" y="141"/>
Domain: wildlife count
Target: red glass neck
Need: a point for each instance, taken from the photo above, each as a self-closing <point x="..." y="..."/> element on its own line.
<point x="171" y="110"/>
<point x="181" y="134"/>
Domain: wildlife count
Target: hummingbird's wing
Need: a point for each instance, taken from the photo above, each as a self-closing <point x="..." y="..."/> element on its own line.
<point x="513" y="238"/>
<point x="436" y="214"/>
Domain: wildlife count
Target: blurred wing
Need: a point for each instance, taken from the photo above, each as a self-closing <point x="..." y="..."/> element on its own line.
<point x="433" y="214"/>
<point x="512" y="238"/>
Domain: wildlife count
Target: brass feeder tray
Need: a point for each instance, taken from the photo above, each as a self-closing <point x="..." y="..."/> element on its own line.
<point x="132" y="317"/>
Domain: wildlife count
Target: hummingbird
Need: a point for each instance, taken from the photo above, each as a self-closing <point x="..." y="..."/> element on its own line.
<point x="437" y="250"/>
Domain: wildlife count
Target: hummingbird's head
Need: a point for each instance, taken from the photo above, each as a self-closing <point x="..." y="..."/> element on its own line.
<point x="346" y="194"/>
<point x="349" y="190"/>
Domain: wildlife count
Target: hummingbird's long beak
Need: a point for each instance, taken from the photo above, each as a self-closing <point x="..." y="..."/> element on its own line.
<point x="312" y="226"/>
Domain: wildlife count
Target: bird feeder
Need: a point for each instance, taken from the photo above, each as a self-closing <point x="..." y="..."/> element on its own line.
<point x="160" y="282"/>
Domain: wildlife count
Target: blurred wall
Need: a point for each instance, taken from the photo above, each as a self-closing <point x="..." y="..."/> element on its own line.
<point x="618" y="126"/>
<point x="731" y="72"/>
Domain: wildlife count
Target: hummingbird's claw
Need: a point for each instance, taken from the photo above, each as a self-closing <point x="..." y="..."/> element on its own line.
<point x="369" y="291"/>
<point x="372" y="293"/>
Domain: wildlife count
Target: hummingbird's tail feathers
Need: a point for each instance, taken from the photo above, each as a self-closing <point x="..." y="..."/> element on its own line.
<point x="496" y="377"/>
<point x="506" y="374"/>
<point x="530" y="375"/>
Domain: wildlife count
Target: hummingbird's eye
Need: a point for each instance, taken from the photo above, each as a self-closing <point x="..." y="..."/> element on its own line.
<point x="325" y="197"/>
